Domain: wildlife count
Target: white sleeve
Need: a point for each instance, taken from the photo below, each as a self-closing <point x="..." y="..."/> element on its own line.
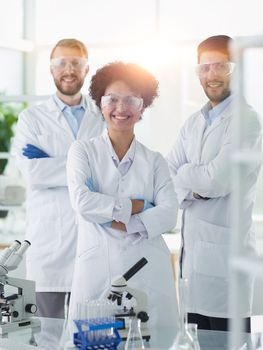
<point x="136" y="229"/>
<point x="122" y="210"/>
<point x="38" y="173"/>
<point x="163" y="216"/>
<point x="92" y="206"/>
<point x="175" y="159"/>
<point x="213" y="179"/>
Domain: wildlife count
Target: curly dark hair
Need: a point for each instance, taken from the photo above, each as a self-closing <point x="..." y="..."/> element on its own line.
<point x="136" y="77"/>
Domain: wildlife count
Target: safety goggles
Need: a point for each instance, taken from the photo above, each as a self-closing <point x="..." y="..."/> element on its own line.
<point x="112" y="100"/>
<point x="75" y="63"/>
<point x="219" y="68"/>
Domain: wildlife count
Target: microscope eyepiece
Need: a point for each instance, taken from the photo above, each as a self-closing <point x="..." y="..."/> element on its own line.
<point x="135" y="268"/>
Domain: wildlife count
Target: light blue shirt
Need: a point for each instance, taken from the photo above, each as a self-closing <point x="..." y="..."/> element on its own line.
<point x="73" y="114"/>
<point x="211" y="113"/>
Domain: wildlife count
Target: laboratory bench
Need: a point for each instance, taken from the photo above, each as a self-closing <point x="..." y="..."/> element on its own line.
<point x="13" y="227"/>
<point x="54" y="335"/>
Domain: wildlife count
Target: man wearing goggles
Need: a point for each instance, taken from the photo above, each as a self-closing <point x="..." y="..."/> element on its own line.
<point x="43" y="136"/>
<point x="218" y="68"/>
<point x="199" y="163"/>
<point x="77" y="64"/>
<point x="214" y="70"/>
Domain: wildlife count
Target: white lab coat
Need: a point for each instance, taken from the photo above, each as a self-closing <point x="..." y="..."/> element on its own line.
<point x="104" y="253"/>
<point x="200" y="162"/>
<point x="51" y="226"/>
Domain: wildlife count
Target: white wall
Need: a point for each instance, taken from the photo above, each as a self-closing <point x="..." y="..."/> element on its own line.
<point x="162" y="35"/>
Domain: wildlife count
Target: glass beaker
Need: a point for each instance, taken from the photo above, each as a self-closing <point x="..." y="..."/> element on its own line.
<point x="134" y="339"/>
<point x="184" y="340"/>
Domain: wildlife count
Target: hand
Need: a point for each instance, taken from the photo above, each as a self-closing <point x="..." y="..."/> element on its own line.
<point x="118" y="226"/>
<point x="89" y="184"/>
<point x="137" y="205"/>
<point x="31" y="152"/>
<point x="197" y="196"/>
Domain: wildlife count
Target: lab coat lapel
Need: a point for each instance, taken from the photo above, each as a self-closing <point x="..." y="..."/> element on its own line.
<point x="90" y="120"/>
<point x="58" y="116"/>
<point x="85" y="123"/>
<point x="198" y="140"/>
<point x="227" y="113"/>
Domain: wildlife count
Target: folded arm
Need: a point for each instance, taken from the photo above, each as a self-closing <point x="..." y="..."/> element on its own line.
<point x="213" y="179"/>
<point x="176" y="158"/>
<point x="162" y="217"/>
<point x="158" y="217"/>
<point x="138" y="205"/>
<point x="93" y="206"/>
<point x="40" y="172"/>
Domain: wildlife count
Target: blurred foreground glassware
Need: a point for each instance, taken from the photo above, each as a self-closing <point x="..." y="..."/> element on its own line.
<point x="192" y="329"/>
<point x="134" y="339"/>
<point x="184" y="339"/>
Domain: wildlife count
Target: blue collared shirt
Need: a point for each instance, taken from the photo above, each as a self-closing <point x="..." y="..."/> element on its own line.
<point x="211" y="113"/>
<point x="73" y="114"/>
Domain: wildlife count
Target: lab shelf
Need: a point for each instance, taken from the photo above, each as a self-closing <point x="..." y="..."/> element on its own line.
<point x="10" y="207"/>
<point x="248" y="42"/>
<point x="4" y="155"/>
<point x="23" y="98"/>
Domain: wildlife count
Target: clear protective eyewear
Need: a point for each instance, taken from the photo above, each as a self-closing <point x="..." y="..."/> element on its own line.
<point x="219" y="68"/>
<point x="75" y="63"/>
<point x="112" y="100"/>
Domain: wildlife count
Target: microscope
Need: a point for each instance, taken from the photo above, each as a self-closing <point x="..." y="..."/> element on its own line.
<point x="16" y="310"/>
<point x="130" y="302"/>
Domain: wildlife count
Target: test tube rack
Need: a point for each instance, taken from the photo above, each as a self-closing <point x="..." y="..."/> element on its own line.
<point x="86" y="339"/>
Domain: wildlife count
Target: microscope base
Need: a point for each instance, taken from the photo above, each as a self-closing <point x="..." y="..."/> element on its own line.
<point x="7" y="327"/>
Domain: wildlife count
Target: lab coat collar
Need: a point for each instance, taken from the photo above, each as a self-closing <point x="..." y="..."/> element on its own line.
<point x="53" y="108"/>
<point x="62" y="105"/>
<point x="218" y="109"/>
<point x="226" y="111"/>
<point x="223" y="105"/>
<point x="130" y="154"/>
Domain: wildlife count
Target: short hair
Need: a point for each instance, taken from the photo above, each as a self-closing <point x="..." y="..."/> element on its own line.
<point x="71" y="43"/>
<point x="220" y="43"/>
<point x="136" y="77"/>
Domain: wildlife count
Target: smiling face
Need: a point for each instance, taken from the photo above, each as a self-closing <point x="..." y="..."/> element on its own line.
<point x="69" y="78"/>
<point x="216" y="86"/>
<point x="121" y="112"/>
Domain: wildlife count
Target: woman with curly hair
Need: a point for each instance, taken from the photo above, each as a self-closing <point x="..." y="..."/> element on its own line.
<point x="123" y="196"/>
